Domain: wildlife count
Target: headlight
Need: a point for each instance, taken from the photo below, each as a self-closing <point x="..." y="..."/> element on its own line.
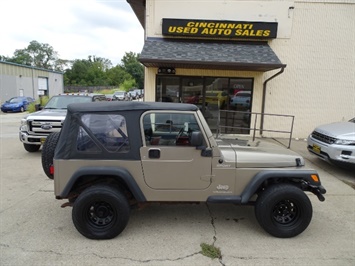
<point x="345" y="142"/>
<point x="23" y="126"/>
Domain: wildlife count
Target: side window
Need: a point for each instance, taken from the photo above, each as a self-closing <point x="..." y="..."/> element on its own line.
<point x="107" y="129"/>
<point x="169" y="129"/>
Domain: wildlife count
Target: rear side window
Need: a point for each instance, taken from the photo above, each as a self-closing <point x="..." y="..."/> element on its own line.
<point x="103" y="131"/>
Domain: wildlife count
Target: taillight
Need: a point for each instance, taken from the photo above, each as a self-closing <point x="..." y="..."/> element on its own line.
<point x="51" y="169"/>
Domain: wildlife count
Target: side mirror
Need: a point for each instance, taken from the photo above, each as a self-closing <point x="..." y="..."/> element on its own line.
<point x="196" y="138"/>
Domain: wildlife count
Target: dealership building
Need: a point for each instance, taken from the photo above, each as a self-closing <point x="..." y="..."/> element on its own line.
<point x="23" y="80"/>
<point x="290" y="58"/>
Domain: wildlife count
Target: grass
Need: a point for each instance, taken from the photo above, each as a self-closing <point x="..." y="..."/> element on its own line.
<point x="210" y="251"/>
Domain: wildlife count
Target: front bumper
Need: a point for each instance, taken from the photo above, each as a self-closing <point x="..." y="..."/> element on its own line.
<point x="32" y="139"/>
<point x="11" y="109"/>
<point x="331" y="152"/>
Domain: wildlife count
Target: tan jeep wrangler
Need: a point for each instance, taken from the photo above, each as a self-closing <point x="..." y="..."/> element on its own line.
<point x="112" y="155"/>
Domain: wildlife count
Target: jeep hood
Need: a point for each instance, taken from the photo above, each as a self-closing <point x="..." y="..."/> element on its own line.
<point x="257" y="154"/>
<point x="49" y="113"/>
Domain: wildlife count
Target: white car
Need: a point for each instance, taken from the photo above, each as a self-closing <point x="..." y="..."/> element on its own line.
<point x="241" y="99"/>
<point x="334" y="142"/>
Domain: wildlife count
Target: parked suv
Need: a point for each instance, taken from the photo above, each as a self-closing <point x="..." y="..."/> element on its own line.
<point x="110" y="156"/>
<point x="121" y="96"/>
<point x="334" y="142"/>
<point x="35" y="127"/>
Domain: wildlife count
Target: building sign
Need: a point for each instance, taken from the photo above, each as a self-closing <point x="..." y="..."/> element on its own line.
<point x="219" y="29"/>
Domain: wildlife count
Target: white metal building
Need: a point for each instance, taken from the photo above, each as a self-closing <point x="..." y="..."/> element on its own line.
<point x="291" y="57"/>
<point x="22" y="80"/>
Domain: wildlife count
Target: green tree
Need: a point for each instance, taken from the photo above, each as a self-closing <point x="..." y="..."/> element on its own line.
<point x="117" y="75"/>
<point x="132" y="66"/>
<point x="127" y="84"/>
<point x="88" y="72"/>
<point x="40" y="55"/>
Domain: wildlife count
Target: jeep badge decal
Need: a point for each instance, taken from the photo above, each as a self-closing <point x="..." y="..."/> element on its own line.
<point x="222" y="187"/>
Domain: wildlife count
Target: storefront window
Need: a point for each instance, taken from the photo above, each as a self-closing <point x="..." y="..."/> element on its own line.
<point x="211" y="95"/>
<point x="192" y="90"/>
<point x="241" y="94"/>
<point x="168" y="89"/>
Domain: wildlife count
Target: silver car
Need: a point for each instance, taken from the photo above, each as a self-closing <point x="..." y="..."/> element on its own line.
<point x="334" y="142"/>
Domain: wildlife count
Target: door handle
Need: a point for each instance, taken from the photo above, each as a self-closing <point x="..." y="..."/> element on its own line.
<point x="154" y="154"/>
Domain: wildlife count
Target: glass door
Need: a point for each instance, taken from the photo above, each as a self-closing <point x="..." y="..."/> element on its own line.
<point x="168" y="89"/>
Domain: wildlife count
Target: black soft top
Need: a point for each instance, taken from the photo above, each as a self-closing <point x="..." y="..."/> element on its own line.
<point x="127" y="106"/>
<point x="132" y="111"/>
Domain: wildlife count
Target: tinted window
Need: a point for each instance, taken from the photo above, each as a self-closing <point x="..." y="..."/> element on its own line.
<point x="109" y="130"/>
<point x="168" y="129"/>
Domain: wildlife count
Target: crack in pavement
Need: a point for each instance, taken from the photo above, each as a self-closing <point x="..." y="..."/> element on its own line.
<point x="99" y="256"/>
<point x="215" y="233"/>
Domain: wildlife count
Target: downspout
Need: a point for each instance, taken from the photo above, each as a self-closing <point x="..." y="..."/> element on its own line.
<point x="264" y="98"/>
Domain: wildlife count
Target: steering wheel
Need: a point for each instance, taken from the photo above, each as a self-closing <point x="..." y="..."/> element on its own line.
<point x="183" y="137"/>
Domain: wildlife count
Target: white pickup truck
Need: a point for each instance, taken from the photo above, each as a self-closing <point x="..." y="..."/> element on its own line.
<point x="35" y="127"/>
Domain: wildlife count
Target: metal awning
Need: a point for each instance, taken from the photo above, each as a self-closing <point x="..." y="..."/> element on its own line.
<point x="202" y="54"/>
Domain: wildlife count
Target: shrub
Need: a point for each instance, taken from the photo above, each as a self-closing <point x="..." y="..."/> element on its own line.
<point x="42" y="101"/>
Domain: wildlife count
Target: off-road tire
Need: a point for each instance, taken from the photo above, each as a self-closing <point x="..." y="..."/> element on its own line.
<point x="31" y="148"/>
<point x="283" y="210"/>
<point x="48" y="152"/>
<point x="101" y="212"/>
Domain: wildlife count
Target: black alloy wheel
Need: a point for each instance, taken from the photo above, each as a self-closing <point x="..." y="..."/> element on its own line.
<point x="283" y="210"/>
<point x="101" y="212"/>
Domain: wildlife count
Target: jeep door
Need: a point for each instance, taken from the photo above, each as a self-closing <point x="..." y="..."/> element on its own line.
<point x="169" y="160"/>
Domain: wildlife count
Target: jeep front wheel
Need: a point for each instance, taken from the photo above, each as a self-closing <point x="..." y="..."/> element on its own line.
<point x="283" y="210"/>
<point x="31" y="148"/>
<point x="48" y="153"/>
<point x="101" y="212"/>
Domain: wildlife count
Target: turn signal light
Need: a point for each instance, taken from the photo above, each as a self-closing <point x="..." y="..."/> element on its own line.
<point x="315" y="178"/>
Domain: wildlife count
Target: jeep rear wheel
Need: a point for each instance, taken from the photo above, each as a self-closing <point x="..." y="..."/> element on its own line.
<point x="48" y="152"/>
<point x="101" y="212"/>
<point x="31" y="148"/>
<point x="283" y="210"/>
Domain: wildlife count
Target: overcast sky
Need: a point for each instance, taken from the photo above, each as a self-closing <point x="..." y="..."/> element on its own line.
<point x="74" y="28"/>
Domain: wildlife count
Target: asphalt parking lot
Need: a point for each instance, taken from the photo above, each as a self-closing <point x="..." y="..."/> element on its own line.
<point x="35" y="230"/>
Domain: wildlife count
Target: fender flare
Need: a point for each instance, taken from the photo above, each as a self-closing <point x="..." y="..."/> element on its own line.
<point x="262" y="176"/>
<point x="116" y="172"/>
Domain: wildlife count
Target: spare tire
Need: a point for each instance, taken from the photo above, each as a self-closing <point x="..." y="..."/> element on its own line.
<point x="48" y="153"/>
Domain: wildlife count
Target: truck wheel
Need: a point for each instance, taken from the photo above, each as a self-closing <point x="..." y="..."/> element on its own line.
<point x="31" y="148"/>
<point x="48" y="153"/>
<point x="100" y="212"/>
<point x="283" y="210"/>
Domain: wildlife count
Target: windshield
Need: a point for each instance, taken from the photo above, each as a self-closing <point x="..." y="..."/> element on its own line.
<point x="61" y="102"/>
<point x="352" y="120"/>
<point x="119" y="93"/>
<point x="15" y="100"/>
